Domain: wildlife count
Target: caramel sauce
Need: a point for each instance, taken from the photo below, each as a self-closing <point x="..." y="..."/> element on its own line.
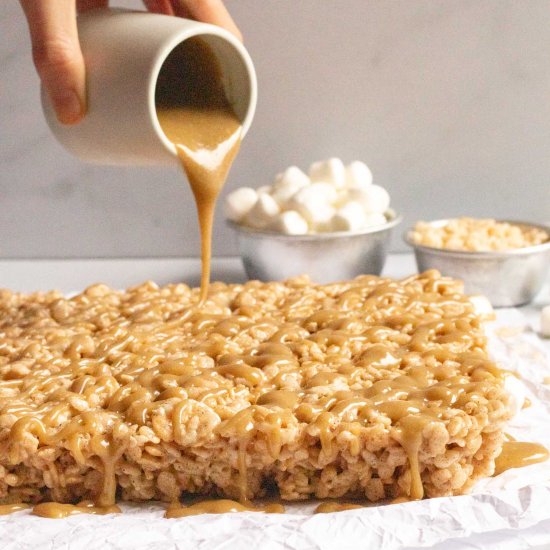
<point x="219" y="506"/>
<point x="411" y="438"/>
<point x="526" y="403"/>
<point x="517" y="454"/>
<point x="330" y="507"/>
<point x="6" y="509"/>
<point x="204" y="128"/>
<point x="56" y="510"/>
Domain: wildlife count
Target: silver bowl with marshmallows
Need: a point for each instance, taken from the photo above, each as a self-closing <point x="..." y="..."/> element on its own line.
<point x="332" y="223"/>
<point x="506" y="261"/>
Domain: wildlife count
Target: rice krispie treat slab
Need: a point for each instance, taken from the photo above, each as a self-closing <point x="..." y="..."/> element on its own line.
<point x="369" y="388"/>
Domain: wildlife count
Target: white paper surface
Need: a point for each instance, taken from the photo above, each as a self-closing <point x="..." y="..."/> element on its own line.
<point x="511" y="511"/>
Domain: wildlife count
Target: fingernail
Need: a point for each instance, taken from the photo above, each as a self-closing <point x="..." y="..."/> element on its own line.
<point x="68" y="107"/>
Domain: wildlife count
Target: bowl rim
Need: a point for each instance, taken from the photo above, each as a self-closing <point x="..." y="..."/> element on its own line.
<point x="472" y="254"/>
<point x="262" y="233"/>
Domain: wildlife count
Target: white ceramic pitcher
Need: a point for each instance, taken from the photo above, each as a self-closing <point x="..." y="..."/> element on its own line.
<point x="124" y="52"/>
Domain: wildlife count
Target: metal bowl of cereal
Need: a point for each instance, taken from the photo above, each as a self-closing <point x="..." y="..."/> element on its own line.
<point x="325" y="257"/>
<point x="507" y="261"/>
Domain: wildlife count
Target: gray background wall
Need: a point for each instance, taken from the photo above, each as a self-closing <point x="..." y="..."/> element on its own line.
<point x="447" y="101"/>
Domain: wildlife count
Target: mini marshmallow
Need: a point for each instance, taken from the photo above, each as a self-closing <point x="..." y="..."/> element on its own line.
<point x="358" y="175"/>
<point x="289" y="223"/>
<point x="239" y="202"/>
<point x="263" y="211"/>
<point x="316" y="192"/>
<point x="315" y="210"/>
<point x="375" y="199"/>
<point x="342" y="198"/>
<point x="288" y="183"/>
<point x="482" y="306"/>
<point x="545" y="321"/>
<point x="375" y="219"/>
<point x="351" y="217"/>
<point x="330" y="171"/>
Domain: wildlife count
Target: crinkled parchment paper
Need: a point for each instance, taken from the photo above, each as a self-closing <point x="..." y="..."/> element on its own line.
<point x="511" y="511"/>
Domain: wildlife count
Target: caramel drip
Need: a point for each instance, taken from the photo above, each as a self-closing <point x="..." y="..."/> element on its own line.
<point x="55" y="510"/>
<point x="219" y="506"/>
<point x="203" y="127"/>
<point x="411" y="440"/>
<point x="517" y="454"/>
<point x="526" y="403"/>
<point x="109" y="452"/>
<point x="6" y="509"/>
<point x="241" y="465"/>
<point x="330" y="507"/>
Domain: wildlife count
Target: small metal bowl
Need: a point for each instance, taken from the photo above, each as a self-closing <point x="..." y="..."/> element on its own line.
<point x="507" y="278"/>
<point x="325" y="257"/>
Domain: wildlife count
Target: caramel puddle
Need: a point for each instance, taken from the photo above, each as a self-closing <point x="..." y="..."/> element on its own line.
<point x="219" y="506"/>
<point x="329" y="507"/>
<point x="517" y="454"/>
<point x="6" y="509"/>
<point x="56" y="510"/>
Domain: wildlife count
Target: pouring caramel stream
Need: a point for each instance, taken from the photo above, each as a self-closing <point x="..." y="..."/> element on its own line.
<point x="202" y="125"/>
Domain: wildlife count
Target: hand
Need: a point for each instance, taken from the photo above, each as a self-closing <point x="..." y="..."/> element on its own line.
<point x="56" y="50"/>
